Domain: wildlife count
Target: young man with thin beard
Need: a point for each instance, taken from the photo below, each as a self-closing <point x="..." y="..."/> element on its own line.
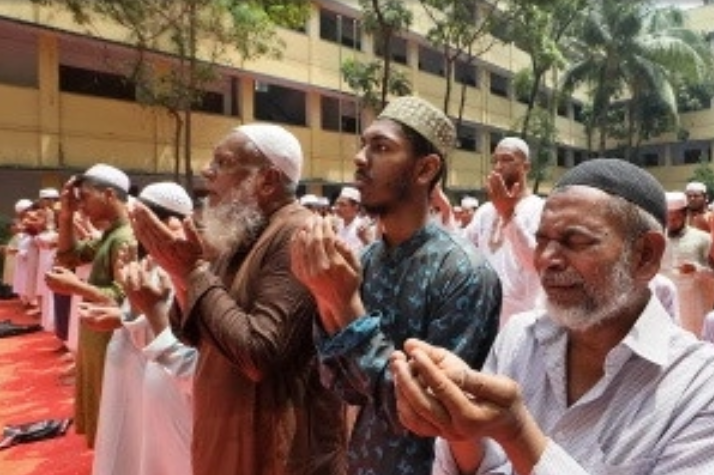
<point x="602" y="381"/>
<point x="417" y="280"/>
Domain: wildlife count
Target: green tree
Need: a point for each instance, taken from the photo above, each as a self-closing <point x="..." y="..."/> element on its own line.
<point x="457" y="27"/>
<point x="384" y="19"/>
<point x="543" y="30"/>
<point x="193" y="35"/>
<point x="628" y="53"/>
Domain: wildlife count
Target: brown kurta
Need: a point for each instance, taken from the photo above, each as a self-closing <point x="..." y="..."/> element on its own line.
<point x="259" y="407"/>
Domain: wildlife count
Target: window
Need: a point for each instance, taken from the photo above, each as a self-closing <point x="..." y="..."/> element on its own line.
<point x="279" y="104"/>
<point x="431" y="61"/>
<point x="494" y="138"/>
<point x="467" y="136"/>
<point x="465" y="73"/>
<point x="95" y="83"/>
<point x="338" y="115"/>
<point x="499" y="85"/>
<point x="563" y="155"/>
<point x="578" y="112"/>
<point x="210" y="102"/>
<point x="398" y="49"/>
<point x="340" y="29"/>
<point x="563" y="107"/>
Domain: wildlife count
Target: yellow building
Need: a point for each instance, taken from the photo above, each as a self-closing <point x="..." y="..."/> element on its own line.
<point x="64" y="106"/>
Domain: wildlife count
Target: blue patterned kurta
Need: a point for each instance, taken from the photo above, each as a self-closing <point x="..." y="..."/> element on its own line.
<point x="435" y="287"/>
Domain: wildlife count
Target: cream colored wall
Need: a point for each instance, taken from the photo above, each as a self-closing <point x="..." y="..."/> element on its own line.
<point x="48" y="128"/>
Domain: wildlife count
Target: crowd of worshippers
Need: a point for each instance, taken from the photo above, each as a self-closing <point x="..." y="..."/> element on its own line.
<point x="385" y="331"/>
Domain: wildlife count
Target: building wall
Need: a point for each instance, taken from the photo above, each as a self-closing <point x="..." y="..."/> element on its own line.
<point x="53" y="132"/>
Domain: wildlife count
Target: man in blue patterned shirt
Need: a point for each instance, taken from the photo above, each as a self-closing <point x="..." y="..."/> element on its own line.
<point x="417" y="281"/>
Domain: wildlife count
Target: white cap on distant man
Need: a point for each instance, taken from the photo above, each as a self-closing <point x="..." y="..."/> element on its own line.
<point x="22" y="205"/>
<point x="351" y="193"/>
<point x="49" y="193"/>
<point x="696" y="187"/>
<point x="168" y="195"/>
<point x="676" y="200"/>
<point x="107" y="175"/>
<point x="515" y="143"/>
<point x="278" y="145"/>
<point x="310" y="200"/>
<point x="469" y="202"/>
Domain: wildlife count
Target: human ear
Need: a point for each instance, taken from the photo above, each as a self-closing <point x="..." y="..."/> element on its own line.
<point x="648" y="251"/>
<point x="428" y="168"/>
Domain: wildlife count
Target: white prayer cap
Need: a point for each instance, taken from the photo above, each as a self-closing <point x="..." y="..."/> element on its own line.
<point x="351" y="193"/>
<point x="278" y="145"/>
<point x="469" y="202"/>
<point x="107" y="175"/>
<point x="323" y="201"/>
<point x="168" y="195"/>
<point x="515" y="143"/>
<point x="676" y="200"/>
<point x="50" y="193"/>
<point x="22" y="205"/>
<point x="696" y="187"/>
<point x="309" y="200"/>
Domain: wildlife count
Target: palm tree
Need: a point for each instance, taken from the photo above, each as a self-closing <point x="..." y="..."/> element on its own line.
<point x="632" y="55"/>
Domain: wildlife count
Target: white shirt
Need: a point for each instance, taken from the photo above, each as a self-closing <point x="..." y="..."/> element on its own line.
<point x="651" y="414"/>
<point x="509" y="249"/>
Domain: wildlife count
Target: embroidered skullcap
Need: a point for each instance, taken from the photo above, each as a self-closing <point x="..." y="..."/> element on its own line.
<point x="515" y="143"/>
<point x="676" y="200"/>
<point x="50" y="193"/>
<point x="309" y="200"/>
<point x="696" y="187"/>
<point x="620" y="178"/>
<point x="278" y="145"/>
<point x="22" y="205"/>
<point x="428" y="121"/>
<point x="106" y="175"/>
<point x="469" y="202"/>
<point x="168" y="195"/>
<point x="351" y="193"/>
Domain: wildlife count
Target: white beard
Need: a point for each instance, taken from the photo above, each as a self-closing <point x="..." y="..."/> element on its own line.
<point x="236" y="220"/>
<point x="599" y="305"/>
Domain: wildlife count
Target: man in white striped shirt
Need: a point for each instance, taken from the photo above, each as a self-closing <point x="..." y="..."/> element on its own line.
<point x="602" y="381"/>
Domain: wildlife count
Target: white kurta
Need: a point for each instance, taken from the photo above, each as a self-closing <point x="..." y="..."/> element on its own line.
<point x="509" y="249"/>
<point x="24" y="283"/>
<point x="46" y="244"/>
<point x="168" y="415"/>
<point x="694" y="289"/>
<point x="119" y="435"/>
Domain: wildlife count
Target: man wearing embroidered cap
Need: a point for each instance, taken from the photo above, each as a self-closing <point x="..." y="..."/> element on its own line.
<point x="101" y="194"/>
<point x="504" y="227"/>
<point x="698" y="214"/>
<point x="687" y="262"/>
<point x="418" y="279"/>
<point x="602" y="381"/>
<point x="259" y="406"/>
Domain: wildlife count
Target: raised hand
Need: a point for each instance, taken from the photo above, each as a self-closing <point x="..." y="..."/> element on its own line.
<point x="330" y="270"/>
<point x="177" y="255"/>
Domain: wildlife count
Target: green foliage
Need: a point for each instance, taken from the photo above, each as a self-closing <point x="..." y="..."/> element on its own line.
<point x="365" y="79"/>
<point x="704" y="173"/>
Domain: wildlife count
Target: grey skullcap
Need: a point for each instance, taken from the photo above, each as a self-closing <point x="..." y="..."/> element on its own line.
<point x="428" y="121"/>
<point x="620" y="178"/>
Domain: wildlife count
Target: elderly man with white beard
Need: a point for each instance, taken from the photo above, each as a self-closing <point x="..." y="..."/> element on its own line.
<point x="259" y="406"/>
<point x="600" y="382"/>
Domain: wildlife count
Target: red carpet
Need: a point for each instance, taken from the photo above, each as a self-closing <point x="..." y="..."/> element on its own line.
<point x="31" y="390"/>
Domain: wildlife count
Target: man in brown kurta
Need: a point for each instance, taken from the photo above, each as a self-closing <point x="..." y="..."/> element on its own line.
<point x="259" y="407"/>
